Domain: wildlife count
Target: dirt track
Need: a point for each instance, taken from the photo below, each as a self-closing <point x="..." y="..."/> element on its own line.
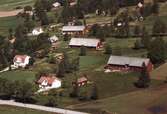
<point x="9" y="13"/>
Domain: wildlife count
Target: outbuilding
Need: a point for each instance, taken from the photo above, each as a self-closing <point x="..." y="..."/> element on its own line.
<point x="87" y="42"/>
<point x="125" y="64"/>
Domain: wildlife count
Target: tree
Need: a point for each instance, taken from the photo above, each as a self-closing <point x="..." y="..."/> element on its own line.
<point x="156" y="51"/>
<point x="155" y="7"/>
<point x="75" y="90"/>
<point x="28" y="8"/>
<point x="108" y="49"/>
<point x="82" y="51"/>
<point x="66" y="62"/>
<point x="144" y="78"/>
<point x="145" y="39"/>
<point x="94" y="93"/>
<point x="61" y="69"/>
<point x="138" y="44"/>
<point x="51" y="101"/>
<point x="25" y="90"/>
<point x="137" y="30"/>
<point x="159" y="27"/>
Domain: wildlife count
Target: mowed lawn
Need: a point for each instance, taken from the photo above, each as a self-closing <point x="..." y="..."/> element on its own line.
<point x="19" y="75"/>
<point x="17" y="110"/>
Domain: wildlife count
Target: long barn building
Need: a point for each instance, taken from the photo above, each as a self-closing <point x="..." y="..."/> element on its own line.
<point x="122" y="63"/>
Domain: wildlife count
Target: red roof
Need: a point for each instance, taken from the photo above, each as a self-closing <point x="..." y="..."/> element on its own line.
<point x="20" y="58"/>
<point x="82" y="79"/>
<point x="49" y="79"/>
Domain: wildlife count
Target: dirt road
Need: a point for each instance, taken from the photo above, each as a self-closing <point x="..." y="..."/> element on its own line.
<point x="9" y="13"/>
<point x="38" y="107"/>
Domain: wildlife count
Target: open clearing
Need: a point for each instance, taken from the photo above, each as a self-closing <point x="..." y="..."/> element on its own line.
<point x="147" y="101"/>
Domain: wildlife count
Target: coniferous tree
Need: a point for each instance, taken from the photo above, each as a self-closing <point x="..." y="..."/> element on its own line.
<point x="144" y="78"/>
<point x="157" y="51"/>
<point x="82" y="51"/>
<point x="94" y="93"/>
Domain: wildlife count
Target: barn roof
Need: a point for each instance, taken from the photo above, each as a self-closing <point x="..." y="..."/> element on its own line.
<point x="88" y="42"/>
<point x="131" y="61"/>
<point x="73" y="28"/>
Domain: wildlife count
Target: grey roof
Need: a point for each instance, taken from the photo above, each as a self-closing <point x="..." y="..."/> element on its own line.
<point x="131" y="61"/>
<point x="73" y="28"/>
<point x="88" y="42"/>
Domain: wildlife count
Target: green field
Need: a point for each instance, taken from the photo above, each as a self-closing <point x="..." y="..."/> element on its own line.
<point x="12" y="4"/>
<point x="7" y="23"/>
<point x="19" y="75"/>
<point x="16" y="110"/>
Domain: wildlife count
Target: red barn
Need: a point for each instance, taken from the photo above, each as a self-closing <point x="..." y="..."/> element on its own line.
<point x="121" y="63"/>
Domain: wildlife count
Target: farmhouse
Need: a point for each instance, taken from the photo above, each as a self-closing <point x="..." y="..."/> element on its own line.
<point x="121" y="63"/>
<point x="53" y="39"/>
<point x="56" y="5"/>
<point x="87" y="42"/>
<point x="47" y="82"/>
<point x="37" y="31"/>
<point x="74" y="30"/>
<point x="21" y="60"/>
<point x="81" y="81"/>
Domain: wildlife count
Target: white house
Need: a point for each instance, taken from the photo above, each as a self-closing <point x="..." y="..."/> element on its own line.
<point x="56" y="4"/>
<point x="37" y="31"/>
<point x="48" y="82"/>
<point x="53" y="39"/>
<point x="21" y="60"/>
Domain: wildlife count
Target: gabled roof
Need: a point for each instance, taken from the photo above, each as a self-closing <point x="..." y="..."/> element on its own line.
<point x="53" y="39"/>
<point x="73" y="28"/>
<point x="82" y="79"/>
<point x="88" y="42"/>
<point x="20" y="58"/>
<point x="49" y="79"/>
<point x="131" y="61"/>
<point x="56" y="4"/>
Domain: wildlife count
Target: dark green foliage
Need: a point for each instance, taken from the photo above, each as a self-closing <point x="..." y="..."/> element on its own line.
<point x="137" y="30"/>
<point x="82" y="51"/>
<point x="159" y="27"/>
<point x="146" y="39"/>
<point x="51" y="101"/>
<point x="94" y="93"/>
<point x="144" y="79"/>
<point x="138" y="45"/>
<point x="21" y="90"/>
<point x="41" y="6"/>
<point x="155" y="7"/>
<point x="28" y="8"/>
<point x="108" y="49"/>
<point x="157" y="51"/>
<point x="61" y="69"/>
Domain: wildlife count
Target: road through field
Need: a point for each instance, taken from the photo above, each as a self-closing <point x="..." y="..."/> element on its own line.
<point x="38" y="107"/>
<point x="9" y="13"/>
